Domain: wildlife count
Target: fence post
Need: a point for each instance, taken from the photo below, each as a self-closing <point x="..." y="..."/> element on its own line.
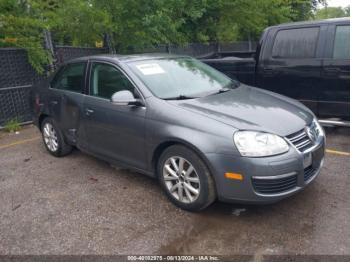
<point x="107" y="43"/>
<point x="167" y="48"/>
<point x="249" y="43"/>
<point x="49" y="46"/>
<point x="218" y="48"/>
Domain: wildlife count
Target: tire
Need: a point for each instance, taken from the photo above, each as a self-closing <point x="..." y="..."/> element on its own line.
<point x="53" y="138"/>
<point x="199" y="180"/>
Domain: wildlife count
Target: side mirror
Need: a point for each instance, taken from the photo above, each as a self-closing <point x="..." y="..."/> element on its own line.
<point x="125" y="98"/>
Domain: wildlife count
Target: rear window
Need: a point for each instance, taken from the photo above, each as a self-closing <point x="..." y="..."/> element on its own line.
<point x="342" y="43"/>
<point x="296" y="43"/>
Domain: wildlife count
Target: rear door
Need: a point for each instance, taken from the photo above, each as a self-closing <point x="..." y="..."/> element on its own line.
<point x="291" y="63"/>
<point x="335" y="93"/>
<point x="66" y="99"/>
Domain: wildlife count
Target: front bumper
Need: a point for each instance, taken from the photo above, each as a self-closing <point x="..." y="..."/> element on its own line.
<point x="267" y="179"/>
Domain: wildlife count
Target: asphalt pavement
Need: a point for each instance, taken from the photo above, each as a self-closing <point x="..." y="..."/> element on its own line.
<point x="81" y="205"/>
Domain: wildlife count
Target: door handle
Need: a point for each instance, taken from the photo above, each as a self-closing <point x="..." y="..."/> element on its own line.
<point x="53" y="102"/>
<point x="89" y="111"/>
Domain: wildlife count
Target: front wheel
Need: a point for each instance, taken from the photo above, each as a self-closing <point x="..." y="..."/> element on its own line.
<point x="53" y="138"/>
<point x="186" y="179"/>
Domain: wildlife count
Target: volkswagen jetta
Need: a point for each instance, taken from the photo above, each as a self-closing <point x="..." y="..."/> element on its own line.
<point x="203" y="135"/>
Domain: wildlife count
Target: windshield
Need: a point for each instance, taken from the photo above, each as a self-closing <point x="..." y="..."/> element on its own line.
<point x="180" y="78"/>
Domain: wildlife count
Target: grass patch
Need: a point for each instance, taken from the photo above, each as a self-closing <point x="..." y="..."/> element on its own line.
<point x="12" y="126"/>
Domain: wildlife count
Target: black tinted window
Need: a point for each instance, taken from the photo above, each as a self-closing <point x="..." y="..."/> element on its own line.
<point x="70" y="78"/>
<point x="106" y="80"/>
<point x="342" y="43"/>
<point x="296" y="43"/>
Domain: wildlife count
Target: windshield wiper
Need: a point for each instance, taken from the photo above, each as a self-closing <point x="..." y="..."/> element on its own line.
<point x="226" y="88"/>
<point x="223" y="90"/>
<point x="180" y="97"/>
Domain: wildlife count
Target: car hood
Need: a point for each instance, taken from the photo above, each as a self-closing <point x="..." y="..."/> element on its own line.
<point x="249" y="108"/>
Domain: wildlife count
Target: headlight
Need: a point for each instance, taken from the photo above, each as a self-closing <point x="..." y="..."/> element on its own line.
<point x="258" y="144"/>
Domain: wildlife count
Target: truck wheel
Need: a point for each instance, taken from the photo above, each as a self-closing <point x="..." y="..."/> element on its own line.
<point x="53" y="138"/>
<point x="185" y="178"/>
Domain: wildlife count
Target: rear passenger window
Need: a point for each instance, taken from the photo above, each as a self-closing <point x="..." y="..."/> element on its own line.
<point x="71" y="78"/>
<point x="342" y="43"/>
<point x="296" y="43"/>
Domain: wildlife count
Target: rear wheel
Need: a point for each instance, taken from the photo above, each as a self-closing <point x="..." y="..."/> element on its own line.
<point x="185" y="178"/>
<point x="53" y="138"/>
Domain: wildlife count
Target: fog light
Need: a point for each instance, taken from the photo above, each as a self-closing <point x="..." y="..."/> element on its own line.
<point x="234" y="176"/>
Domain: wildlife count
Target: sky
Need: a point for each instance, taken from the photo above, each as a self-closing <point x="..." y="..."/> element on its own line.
<point x="336" y="3"/>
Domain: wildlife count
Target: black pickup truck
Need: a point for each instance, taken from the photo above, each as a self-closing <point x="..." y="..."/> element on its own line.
<point x="308" y="61"/>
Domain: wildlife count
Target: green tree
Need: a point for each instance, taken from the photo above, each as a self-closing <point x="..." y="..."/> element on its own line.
<point x="347" y="11"/>
<point x="140" y="23"/>
<point x="303" y="10"/>
<point x="78" y="23"/>
<point x="242" y="19"/>
<point x="20" y="26"/>
<point x="330" y="12"/>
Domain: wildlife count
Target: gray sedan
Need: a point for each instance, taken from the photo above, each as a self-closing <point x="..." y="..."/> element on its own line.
<point x="203" y="135"/>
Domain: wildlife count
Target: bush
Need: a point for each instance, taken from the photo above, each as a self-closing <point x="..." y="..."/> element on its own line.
<point x="12" y="126"/>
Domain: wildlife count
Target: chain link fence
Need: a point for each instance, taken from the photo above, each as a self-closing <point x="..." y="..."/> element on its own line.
<point x="15" y="69"/>
<point x="17" y="77"/>
<point x="241" y="46"/>
<point x="15" y="104"/>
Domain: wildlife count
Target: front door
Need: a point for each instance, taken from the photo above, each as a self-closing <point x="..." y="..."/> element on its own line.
<point x="114" y="131"/>
<point x="335" y="94"/>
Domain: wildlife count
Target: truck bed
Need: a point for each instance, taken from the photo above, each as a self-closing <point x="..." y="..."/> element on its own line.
<point x="242" y="69"/>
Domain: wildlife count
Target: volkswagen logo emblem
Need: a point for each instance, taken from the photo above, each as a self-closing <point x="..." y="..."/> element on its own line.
<point x="310" y="132"/>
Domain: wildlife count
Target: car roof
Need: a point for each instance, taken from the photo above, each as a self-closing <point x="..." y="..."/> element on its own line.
<point x="127" y="58"/>
<point x="313" y="22"/>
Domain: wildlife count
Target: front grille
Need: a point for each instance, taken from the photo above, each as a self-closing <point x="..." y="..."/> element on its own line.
<point x="301" y="140"/>
<point x="274" y="186"/>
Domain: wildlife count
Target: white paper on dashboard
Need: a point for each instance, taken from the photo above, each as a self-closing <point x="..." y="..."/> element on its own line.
<point x="150" y="69"/>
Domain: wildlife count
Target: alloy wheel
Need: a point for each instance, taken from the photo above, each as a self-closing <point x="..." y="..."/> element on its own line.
<point x="50" y="137"/>
<point x="181" y="179"/>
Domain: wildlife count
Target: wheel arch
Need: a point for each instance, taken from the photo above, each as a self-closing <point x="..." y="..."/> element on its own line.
<point x="41" y="119"/>
<point x="157" y="152"/>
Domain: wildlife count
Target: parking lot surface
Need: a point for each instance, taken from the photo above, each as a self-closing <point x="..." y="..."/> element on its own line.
<point x="81" y="205"/>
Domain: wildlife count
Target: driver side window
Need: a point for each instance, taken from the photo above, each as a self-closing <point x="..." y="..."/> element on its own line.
<point x="106" y="80"/>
